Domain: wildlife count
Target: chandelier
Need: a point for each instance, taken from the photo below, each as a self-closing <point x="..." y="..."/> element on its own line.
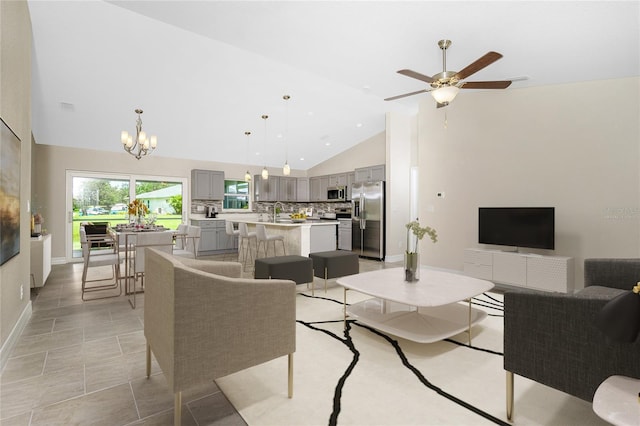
<point x="141" y="145"/>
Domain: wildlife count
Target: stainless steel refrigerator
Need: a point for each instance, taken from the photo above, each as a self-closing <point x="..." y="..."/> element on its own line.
<point x="367" y="216"/>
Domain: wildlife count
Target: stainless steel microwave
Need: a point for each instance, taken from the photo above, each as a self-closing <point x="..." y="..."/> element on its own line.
<point x="337" y="193"/>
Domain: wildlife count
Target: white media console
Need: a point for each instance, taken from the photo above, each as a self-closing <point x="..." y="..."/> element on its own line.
<point x="547" y="273"/>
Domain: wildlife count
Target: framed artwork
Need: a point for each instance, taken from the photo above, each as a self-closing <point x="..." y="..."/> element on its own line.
<point x="9" y="193"/>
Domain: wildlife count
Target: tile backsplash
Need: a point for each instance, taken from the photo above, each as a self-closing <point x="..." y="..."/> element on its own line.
<point x="199" y="207"/>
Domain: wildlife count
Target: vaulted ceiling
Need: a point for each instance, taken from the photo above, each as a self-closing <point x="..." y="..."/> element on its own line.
<point x="205" y="71"/>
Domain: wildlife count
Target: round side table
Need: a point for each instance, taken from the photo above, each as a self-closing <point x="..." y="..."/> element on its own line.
<point x="616" y="400"/>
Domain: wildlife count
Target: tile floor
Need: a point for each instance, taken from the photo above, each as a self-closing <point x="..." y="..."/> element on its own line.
<point x="83" y="363"/>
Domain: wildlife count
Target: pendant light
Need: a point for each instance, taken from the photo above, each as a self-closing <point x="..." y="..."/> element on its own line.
<point x="247" y="176"/>
<point x="265" y="172"/>
<point x="286" y="170"/>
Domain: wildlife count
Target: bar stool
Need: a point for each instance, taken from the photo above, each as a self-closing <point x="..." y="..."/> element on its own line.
<point x="231" y="234"/>
<point x="245" y="242"/>
<point x="262" y="237"/>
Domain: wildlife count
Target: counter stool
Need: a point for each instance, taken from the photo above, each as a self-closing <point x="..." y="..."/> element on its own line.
<point x="231" y="233"/>
<point x="245" y="243"/>
<point x="262" y="237"/>
<point x="292" y="267"/>
<point x="334" y="264"/>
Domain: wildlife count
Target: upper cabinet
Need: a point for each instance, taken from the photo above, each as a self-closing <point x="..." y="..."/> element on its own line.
<point x="302" y="189"/>
<point x="370" y="174"/>
<point x="338" y="180"/>
<point x="207" y="185"/>
<point x="287" y="190"/>
<point x="318" y="188"/>
<point x="351" y="178"/>
<point x="266" y="189"/>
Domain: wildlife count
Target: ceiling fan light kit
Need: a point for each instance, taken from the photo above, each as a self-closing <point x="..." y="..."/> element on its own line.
<point x="445" y="94"/>
<point x="445" y="85"/>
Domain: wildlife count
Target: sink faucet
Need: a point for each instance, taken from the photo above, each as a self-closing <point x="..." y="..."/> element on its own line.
<point x="275" y="214"/>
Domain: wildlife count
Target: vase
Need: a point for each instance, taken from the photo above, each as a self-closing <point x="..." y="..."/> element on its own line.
<point x="412" y="258"/>
<point x="411" y="267"/>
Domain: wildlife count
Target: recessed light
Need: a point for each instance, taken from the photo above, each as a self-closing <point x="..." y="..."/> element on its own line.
<point x="301" y="158"/>
<point x="257" y="153"/>
<point x="327" y="144"/>
<point x="279" y="136"/>
<point x="359" y="125"/>
<point x="310" y="113"/>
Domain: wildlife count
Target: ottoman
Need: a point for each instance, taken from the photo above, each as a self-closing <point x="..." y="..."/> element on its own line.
<point x="294" y="268"/>
<point x="334" y="264"/>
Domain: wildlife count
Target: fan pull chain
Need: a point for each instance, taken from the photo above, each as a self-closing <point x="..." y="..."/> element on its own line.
<point x="445" y="120"/>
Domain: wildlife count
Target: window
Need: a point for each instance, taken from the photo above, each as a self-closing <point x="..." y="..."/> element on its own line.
<point x="236" y="195"/>
<point x="103" y="197"/>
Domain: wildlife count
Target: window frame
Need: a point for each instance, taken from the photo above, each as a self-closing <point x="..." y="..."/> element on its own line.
<point x="250" y="205"/>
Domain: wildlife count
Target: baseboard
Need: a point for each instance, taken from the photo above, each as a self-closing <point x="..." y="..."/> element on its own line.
<point x="10" y="343"/>
<point x="58" y="260"/>
<point x="394" y="258"/>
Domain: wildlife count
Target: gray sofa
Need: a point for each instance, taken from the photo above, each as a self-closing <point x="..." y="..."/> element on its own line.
<point x="202" y="321"/>
<point x="555" y="339"/>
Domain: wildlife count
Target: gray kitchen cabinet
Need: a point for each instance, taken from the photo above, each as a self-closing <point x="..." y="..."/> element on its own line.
<point x="266" y="189"/>
<point x="318" y="187"/>
<point x="207" y="185"/>
<point x="302" y="189"/>
<point x="338" y="180"/>
<point x="370" y="174"/>
<point x="213" y="236"/>
<point x="351" y="178"/>
<point x="208" y="240"/>
<point x="287" y="189"/>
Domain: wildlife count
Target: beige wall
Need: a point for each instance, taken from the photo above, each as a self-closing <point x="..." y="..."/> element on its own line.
<point x="369" y="152"/>
<point x="49" y="190"/>
<point x="574" y="147"/>
<point x="401" y="141"/>
<point x="15" y="110"/>
<point x="53" y="162"/>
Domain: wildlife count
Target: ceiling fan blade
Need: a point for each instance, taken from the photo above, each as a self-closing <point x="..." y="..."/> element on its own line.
<point x="476" y="66"/>
<point x="486" y="84"/>
<point x="406" y="94"/>
<point x="416" y="75"/>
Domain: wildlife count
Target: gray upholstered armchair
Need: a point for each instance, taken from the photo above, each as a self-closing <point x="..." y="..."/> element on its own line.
<point x="203" y="322"/>
<point x="555" y="339"/>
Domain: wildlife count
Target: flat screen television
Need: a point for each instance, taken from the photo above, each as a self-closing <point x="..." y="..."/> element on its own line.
<point x="530" y="227"/>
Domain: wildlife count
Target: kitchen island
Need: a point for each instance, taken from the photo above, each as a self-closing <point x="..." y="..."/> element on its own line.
<point x="300" y="238"/>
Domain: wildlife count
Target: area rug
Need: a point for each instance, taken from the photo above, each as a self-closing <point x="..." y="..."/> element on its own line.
<point x="360" y="376"/>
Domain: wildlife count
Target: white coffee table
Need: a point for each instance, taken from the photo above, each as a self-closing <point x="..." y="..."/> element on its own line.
<point x="425" y="311"/>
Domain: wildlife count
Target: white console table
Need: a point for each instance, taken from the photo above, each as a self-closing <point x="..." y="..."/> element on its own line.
<point x="548" y="273"/>
<point x="40" y="260"/>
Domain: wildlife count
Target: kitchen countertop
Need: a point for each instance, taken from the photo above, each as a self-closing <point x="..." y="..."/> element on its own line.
<point x="290" y="224"/>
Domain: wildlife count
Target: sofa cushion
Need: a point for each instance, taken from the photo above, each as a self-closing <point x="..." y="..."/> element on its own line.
<point x="619" y="319"/>
<point x="599" y="292"/>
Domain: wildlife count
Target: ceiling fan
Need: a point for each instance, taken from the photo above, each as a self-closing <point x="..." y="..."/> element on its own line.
<point x="446" y="84"/>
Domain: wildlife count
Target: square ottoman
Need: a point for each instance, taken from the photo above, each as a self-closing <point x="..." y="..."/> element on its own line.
<point x="294" y="268"/>
<point x="334" y="264"/>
